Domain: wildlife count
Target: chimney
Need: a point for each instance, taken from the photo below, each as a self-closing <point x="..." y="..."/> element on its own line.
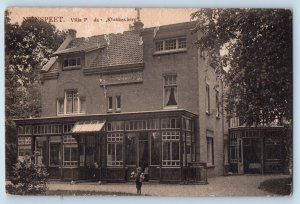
<point x="72" y="33"/>
<point x="137" y="25"/>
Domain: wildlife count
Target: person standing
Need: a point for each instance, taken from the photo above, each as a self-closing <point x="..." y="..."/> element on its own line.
<point x="139" y="177"/>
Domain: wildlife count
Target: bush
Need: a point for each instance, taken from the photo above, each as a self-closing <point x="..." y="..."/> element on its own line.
<point x="28" y="179"/>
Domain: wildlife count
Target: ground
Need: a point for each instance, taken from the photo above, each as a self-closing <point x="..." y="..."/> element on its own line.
<point x="240" y="185"/>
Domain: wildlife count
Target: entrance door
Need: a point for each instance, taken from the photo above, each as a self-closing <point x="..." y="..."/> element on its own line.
<point x="143" y="150"/>
<point x="240" y="156"/>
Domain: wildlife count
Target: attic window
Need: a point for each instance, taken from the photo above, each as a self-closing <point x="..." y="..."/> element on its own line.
<point x="71" y="62"/>
<point x="170" y="45"/>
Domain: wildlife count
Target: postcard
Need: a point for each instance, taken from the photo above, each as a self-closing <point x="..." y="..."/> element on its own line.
<point x="148" y="101"/>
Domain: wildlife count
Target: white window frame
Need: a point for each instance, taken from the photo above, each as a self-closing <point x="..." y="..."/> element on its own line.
<point x="109" y="102"/>
<point x="207" y="99"/>
<point x="210" y="154"/>
<point x="169" y="86"/>
<point x="114" y="139"/>
<point x="217" y="104"/>
<point x="118" y="100"/>
<point x="78" y="65"/>
<point x="70" y="143"/>
<point x="24" y="144"/>
<point x="65" y="102"/>
<point x="176" y="49"/>
<point x="170" y="137"/>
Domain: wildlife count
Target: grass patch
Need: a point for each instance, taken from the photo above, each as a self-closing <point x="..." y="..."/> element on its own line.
<point x="84" y="193"/>
<point x="281" y="186"/>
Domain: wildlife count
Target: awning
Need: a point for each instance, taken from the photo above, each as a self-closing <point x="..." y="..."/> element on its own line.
<point x="88" y="126"/>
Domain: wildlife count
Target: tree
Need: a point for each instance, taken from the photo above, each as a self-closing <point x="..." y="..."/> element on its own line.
<point x="254" y="47"/>
<point x="27" y="48"/>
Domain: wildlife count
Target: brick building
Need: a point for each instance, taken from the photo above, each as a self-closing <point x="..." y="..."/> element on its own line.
<point x="110" y="103"/>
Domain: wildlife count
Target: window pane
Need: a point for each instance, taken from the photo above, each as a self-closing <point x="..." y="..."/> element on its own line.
<point x="54" y="154"/>
<point x="78" y="61"/>
<point x="67" y="156"/>
<point x="74" y="154"/>
<point x="175" y="150"/>
<point x="75" y="107"/>
<point x="110" y="105"/>
<point x="207" y="101"/>
<point x="159" y="46"/>
<point x="66" y="62"/>
<point x="119" y="152"/>
<point x="170" y="44"/>
<point x="171" y="95"/>
<point x="109" y="153"/>
<point x="82" y="105"/>
<point x="60" y="106"/>
<point x="41" y="150"/>
<point x="210" y="152"/>
<point x="25" y="150"/>
<point x="72" y="62"/>
<point x="118" y="102"/>
<point x="166" y="151"/>
<point x="273" y="152"/>
<point x="69" y="105"/>
<point x="182" y="43"/>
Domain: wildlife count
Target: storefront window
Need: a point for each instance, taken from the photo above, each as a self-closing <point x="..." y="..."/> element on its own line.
<point x="41" y="150"/>
<point x="81" y="149"/>
<point x="171" y="149"/>
<point x="273" y="148"/>
<point x="70" y="151"/>
<point x="115" y="149"/>
<point x="24" y="147"/>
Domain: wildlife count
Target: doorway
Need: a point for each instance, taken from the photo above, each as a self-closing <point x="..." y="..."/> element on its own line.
<point x="252" y="153"/>
<point x="138" y="151"/>
<point x="143" y="148"/>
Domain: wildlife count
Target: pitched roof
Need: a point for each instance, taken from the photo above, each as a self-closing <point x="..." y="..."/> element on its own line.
<point x="81" y="48"/>
<point x="115" y="49"/>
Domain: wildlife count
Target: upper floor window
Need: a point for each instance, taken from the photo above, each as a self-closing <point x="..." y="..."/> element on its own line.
<point x="217" y="104"/>
<point x="174" y="44"/>
<point x="72" y="103"/>
<point x="118" y="103"/>
<point x="170" y="91"/>
<point x="210" y="147"/>
<point x="110" y="101"/>
<point x="71" y="62"/>
<point x="207" y="98"/>
<point x="109" y="104"/>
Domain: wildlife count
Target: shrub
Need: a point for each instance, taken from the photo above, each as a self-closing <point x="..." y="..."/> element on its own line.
<point x="28" y="179"/>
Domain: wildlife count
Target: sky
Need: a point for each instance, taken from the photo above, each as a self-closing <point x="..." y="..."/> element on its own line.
<point x="94" y="21"/>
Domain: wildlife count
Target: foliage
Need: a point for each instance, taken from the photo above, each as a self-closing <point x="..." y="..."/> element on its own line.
<point x="28" y="179"/>
<point x="27" y="48"/>
<point x="254" y="47"/>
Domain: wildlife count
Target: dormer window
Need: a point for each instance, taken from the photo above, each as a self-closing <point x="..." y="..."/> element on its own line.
<point x="170" y="45"/>
<point x="71" y="62"/>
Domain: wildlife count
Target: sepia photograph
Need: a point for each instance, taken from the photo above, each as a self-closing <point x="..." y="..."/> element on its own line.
<point x="148" y="101"/>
